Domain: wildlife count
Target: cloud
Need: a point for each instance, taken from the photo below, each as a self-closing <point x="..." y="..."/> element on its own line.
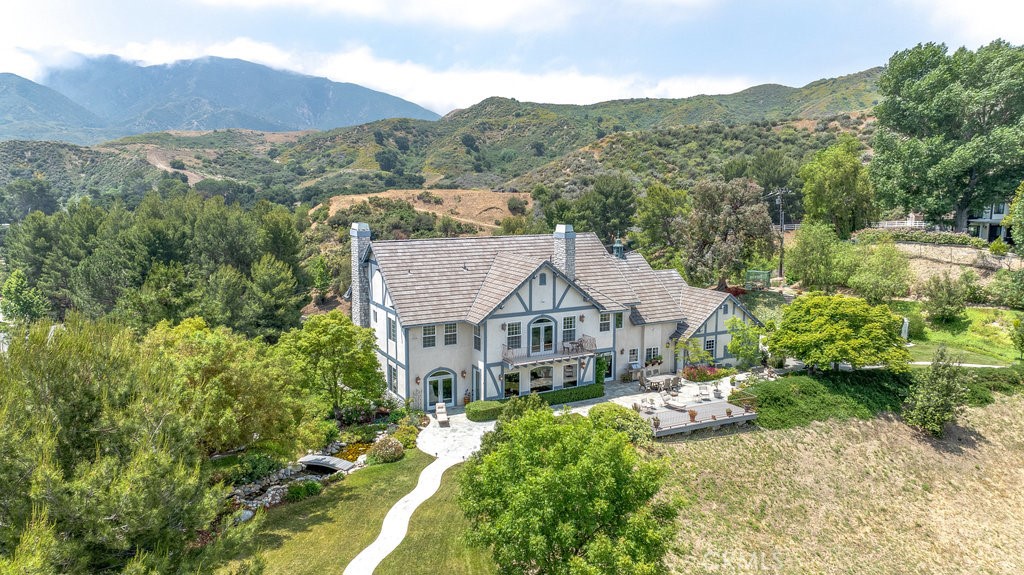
<point x="465" y="14"/>
<point x="444" y="90"/>
<point x="977" y="22"/>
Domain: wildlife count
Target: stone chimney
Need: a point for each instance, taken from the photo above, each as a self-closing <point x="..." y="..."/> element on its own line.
<point x="360" y="236"/>
<point x="565" y="250"/>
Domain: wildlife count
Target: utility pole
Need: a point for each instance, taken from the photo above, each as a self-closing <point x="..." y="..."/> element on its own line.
<point x="782" y="228"/>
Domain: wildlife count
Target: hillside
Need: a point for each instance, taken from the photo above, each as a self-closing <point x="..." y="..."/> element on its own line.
<point x="106" y="97"/>
<point x="497" y="144"/>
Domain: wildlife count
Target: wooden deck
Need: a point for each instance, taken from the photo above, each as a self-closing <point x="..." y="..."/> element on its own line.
<point x="709" y="416"/>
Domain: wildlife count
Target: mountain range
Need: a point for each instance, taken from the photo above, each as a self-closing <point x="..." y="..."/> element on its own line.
<point x="105" y="98"/>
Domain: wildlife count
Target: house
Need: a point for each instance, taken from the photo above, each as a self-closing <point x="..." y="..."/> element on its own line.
<point x="988" y="225"/>
<point x="461" y="319"/>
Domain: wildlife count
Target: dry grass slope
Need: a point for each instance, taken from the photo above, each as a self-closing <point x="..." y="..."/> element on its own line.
<point x="858" y="497"/>
<point x="478" y="207"/>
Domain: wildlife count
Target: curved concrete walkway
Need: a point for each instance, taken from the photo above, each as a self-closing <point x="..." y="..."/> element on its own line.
<point x="451" y="445"/>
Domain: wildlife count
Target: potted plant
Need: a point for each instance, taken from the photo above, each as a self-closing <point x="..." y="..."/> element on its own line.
<point x="656" y="422"/>
<point x="693" y="415"/>
<point x="657" y="360"/>
<point x="728" y="412"/>
<point x="714" y="417"/>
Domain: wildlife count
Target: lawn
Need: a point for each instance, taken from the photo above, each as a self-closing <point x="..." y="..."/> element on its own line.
<point x="436" y="541"/>
<point x="322" y="534"/>
<point x="982" y="336"/>
<point x="855" y="496"/>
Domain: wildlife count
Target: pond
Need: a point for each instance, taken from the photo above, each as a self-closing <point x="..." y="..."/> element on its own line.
<point x="352" y="451"/>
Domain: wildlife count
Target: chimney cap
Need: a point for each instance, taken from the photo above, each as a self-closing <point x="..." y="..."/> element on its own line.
<point x="565" y="231"/>
<point x="360" y="229"/>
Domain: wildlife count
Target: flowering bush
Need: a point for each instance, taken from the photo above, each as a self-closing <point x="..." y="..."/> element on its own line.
<point x="702" y="373"/>
<point x="406" y="434"/>
<point x="387" y="450"/>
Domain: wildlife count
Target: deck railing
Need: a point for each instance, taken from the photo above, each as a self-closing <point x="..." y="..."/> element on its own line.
<point x="585" y="345"/>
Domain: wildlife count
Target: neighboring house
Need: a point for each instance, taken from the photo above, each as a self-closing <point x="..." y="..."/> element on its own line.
<point x="494" y="317"/>
<point x="988" y="225"/>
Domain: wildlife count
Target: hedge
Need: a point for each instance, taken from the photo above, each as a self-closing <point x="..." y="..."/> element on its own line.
<point x="919" y="236"/>
<point x="571" y="394"/>
<point x="483" y="410"/>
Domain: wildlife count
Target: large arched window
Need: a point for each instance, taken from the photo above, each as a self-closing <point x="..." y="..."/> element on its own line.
<point x="542" y="336"/>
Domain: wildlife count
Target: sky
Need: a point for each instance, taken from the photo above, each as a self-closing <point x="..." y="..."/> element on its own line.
<point x="448" y="54"/>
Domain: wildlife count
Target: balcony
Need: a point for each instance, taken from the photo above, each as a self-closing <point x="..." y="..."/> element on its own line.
<point x="567" y="351"/>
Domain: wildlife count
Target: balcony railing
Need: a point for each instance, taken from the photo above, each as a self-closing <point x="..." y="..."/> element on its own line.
<point x="567" y="350"/>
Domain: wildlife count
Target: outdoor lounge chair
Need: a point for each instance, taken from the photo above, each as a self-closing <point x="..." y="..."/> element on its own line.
<point x="441" y="413"/>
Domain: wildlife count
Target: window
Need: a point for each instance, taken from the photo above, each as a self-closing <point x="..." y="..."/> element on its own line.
<point x="511" y="384"/>
<point x="543" y="279"/>
<point x="375" y="315"/>
<point x="451" y="335"/>
<point x="514" y="338"/>
<point x="429" y="336"/>
<point x="650" y="353"/>
<point x="606" y="322"/>
<point x="569" y="376"/>
<point x="392" y="329"/>
<point x="725" y="308"/>
<point x="1000" y="209"/>
<point x="568" y="328"/>
<point x="634" y="355"/>
<point x="709" y="346"/>
<point x="476" y="337"/>
<point x="618" y="321"/>
<point x="393" y="378"/>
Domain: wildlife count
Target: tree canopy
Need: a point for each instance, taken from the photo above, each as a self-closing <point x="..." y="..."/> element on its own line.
<point x="563" y="495"/>
<point x="728" y="224"/>
<point x="100" y="467"/>
<point x="821" y="330"/>
<point x="950" y="134"/>
<point x="660" y="214"/>
<point x="837" y="189"/>
<point x="608" y="208"/>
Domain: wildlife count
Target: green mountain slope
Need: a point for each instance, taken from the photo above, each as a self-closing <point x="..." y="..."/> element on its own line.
<point x="502" y="143"/>
<point x="28" y="110"/>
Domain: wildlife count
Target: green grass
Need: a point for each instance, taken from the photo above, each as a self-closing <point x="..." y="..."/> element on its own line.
<point x="797" y="400"/>
<point x="436" y="542"/>
<point x="322" y="534"/>
<point x="981" y="336"/>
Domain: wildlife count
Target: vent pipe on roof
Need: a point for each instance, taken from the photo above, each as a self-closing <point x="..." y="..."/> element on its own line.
<point x="565" y="250"/>
<point x="360" y="242"/>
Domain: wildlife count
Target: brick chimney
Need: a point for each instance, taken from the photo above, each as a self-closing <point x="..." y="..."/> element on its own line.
<point x="565" y="250"/>
<point x="360" y="236"/>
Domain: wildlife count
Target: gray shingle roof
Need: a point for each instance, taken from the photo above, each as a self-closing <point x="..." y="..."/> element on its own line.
<point x="464" y="279"/>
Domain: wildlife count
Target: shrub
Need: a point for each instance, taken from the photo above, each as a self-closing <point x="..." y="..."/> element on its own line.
<point x="387" y="450"/>
<point x="516" y="206"/>
<point x="945" y="298"/>
<point x="884" y="274"/>
<point x="361" y="433"/>
<point x="406" y="435"/>
<point x="252" y="467"/>
<point x="619" y="418"/>
<point x="919" y="236"/>
<point x="428" y="197"/>
<point x="1008" y="288"/>
<point x="483" y="410"/>
<point x="572" y="394"/>
<point x="998" y="247"/>
<point x="973" y="291"/>
<point x="177" y="164"/>
<point x="516" y="407"/>
<point x="299" y="490"/>
<point x="916" y="328"/>
<point x="938" y="396"/>
<point x="702" y="373"/>
<point x="1017" y="336"/>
